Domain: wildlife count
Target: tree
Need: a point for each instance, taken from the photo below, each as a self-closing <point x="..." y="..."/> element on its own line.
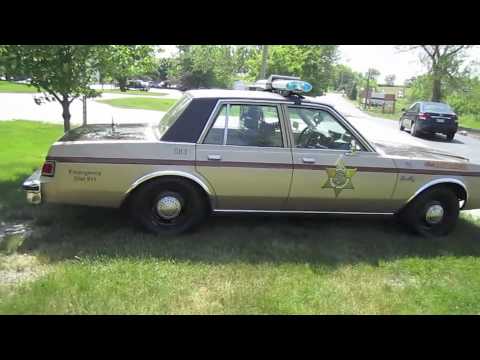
<point x="444" y="62"/>
<point x="66" y="72"/>
<point x="121" y="62"/>
<point x="209" y="65"/>
<point x="313" y="63"/>
<point x="390" y="79"/>
<point x="353" y="93"/>
<point x="63" y="71"/>
<point x="263" y="70"/>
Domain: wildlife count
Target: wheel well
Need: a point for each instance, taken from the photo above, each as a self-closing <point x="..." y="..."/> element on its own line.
<point x="459" y="191"/>
<point x="130" y="195"/>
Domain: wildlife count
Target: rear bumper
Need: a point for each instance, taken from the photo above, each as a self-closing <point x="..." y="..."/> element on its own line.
<point x="33" y="188"/>
<point x="434" y="127"/>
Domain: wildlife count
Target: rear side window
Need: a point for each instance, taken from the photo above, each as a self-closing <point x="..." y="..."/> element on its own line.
<point x="246" y="125"/>
<point x="173" y="114"/>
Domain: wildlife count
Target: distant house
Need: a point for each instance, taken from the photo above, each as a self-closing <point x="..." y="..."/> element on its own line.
<point x="397" y="90"/>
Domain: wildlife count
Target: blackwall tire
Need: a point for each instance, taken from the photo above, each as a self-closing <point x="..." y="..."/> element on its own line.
<point x="168" y="206"/>
<point x="422" y="215"/>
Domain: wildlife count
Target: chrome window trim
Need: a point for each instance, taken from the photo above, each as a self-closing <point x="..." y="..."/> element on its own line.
<point x="229" y="102"/>
<point x="337" y="116"/>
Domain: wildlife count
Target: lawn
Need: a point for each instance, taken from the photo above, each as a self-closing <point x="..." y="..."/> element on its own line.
<point x="12" y="87"/>
<point x="141" y="103"/>
<point x="93" y="261"/>
<point x="134" y="92"/>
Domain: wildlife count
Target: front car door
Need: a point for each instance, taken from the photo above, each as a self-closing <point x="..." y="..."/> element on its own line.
<point x="328" y="175"/>
<point x="244" y="156"/>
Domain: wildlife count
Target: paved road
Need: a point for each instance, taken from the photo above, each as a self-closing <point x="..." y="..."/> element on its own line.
<point x="22" y="106"/>
<point x="374" y="128"/>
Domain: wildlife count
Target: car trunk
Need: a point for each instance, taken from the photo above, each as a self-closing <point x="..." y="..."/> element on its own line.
<point x="105" y="132"/>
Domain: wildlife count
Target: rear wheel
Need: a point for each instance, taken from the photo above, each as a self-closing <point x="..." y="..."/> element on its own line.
<point x="432" y="213"/>
<point x="168" y="206"/>
<point x="450" y="136"/>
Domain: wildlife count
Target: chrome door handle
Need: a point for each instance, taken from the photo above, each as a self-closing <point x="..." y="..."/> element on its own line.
<point x="214" y="157"/>
<point x="308" y="160"/>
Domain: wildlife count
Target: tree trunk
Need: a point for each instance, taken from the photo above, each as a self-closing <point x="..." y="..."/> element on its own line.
<point x="66" y="114"/>
<point x="122" y="83"/>
<point x="263" y="70"/>
<point x="437" y="89"/>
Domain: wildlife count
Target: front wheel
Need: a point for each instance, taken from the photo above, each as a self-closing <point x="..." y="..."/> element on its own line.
<point x="413" y="130"/>
<point x="432" y="213"/>
<point x="168" y="206"/>
<point x="401" y="125"/>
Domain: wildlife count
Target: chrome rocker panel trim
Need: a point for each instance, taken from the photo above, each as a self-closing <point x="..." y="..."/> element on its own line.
<point x="301" y="212"/>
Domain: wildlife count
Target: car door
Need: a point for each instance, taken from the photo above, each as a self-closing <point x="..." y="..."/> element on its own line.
<point x="411" y="115"/>
<point x="328" y="176"/>
<point x="244" y="156"/>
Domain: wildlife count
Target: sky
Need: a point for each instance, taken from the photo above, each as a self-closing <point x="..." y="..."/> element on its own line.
<point x="385" y="58"/>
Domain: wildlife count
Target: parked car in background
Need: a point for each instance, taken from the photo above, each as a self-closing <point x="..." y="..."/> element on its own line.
<point x="428" y="117"/>
<point x="156" y="84"/>
<point x="138" y="85"/>
<point x="271" y="151"/>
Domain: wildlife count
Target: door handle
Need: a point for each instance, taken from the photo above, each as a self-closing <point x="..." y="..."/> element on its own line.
<point x="308" y="160"/>
<point x="214" y="157"/>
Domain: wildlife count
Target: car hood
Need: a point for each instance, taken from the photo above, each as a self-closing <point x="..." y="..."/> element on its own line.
<point x="416" y="152"/>
<point x="105" y="132"/>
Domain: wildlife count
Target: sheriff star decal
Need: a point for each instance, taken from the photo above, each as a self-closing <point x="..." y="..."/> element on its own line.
<point x="339" y="178"/>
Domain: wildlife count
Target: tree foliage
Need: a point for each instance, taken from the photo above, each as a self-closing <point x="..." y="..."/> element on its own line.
<point x="444" y="64"/>
<point x="313" y="63"/>
<point x="121" y="62"/>
<point x="67" y="72"/>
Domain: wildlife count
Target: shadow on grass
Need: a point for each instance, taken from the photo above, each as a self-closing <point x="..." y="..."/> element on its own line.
<point x="68" y="232"/>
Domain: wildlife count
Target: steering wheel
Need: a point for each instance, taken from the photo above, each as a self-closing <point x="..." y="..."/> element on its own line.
<point x="313" y="136"/>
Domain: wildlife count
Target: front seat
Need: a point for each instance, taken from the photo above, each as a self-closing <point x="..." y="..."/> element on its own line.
<point x="251" y="119"/>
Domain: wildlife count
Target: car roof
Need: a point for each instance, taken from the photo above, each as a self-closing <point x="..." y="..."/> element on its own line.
<point x="248" y="94"/>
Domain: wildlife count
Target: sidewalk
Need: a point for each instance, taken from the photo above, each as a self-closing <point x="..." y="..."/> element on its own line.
<point x="22" y="106"/>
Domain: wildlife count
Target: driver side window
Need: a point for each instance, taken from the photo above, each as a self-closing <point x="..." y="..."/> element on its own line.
<point x="317" y="129"/>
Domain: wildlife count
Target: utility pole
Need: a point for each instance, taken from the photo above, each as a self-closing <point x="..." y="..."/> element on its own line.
<point x="367" y="89"/>
<point x="263" y="71"/>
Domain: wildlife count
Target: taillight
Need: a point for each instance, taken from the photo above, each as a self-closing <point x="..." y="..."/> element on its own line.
<point x="423" y="116"/>
<point x="48" y="168"/>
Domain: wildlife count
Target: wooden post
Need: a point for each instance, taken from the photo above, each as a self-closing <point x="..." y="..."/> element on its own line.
<point x="84" y="110"/>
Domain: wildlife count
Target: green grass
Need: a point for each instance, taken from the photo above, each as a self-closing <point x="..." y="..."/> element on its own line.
<point x="141" y="103"/>
<point x="12" y="87"/>
<point x="134" y="92"/>
<point x="470" y="121"/>
<point x="94" y="261"/>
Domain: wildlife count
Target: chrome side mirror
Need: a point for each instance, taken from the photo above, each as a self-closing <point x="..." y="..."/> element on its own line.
<point x="353" y="147"/>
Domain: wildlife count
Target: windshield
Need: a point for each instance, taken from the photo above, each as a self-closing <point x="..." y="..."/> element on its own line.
<point x="437" y="108"/>
<point x="173" y="114"/>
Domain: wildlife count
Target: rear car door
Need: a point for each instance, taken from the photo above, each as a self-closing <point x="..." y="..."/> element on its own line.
<point x="328" y="176"/>
<point x="412" y="115"/>
<point x="243" y="155"/>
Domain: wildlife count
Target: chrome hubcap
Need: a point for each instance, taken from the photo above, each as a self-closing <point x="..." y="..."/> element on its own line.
<point x="434" y="214"/>
<point x="169" y="207"/>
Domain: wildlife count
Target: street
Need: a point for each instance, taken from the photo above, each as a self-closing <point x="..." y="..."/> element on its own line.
<point x="374" y="128"/>
<point x="23" y="107"/>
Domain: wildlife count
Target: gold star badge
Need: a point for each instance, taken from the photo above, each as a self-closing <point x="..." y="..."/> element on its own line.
<point x="339" y="178"/>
